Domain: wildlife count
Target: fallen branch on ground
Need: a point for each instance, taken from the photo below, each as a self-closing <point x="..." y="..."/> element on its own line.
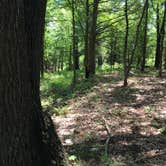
<point x="109" y="136"/>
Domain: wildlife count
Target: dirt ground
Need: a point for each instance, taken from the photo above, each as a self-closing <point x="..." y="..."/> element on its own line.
<point x="135" y="116"/>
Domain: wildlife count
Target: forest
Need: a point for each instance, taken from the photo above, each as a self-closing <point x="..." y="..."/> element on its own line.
<point x="83" y="83"/>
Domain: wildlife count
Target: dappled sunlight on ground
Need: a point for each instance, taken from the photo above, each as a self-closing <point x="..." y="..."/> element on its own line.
<point x="136" y="116"/>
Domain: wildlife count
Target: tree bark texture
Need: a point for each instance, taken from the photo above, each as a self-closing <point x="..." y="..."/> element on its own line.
<point x="23" y="131"/>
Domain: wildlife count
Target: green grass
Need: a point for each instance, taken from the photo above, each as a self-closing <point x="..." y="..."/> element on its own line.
<point x="57" y="88"/>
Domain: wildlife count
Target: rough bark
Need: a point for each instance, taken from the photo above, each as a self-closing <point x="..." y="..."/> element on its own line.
<point x="22" y="126"/>
<point x="92" y="41"/>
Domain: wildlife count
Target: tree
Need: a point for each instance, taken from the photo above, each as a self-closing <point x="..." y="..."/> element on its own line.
<point x="161" y="44"/>
<point x="160" y="29"/>
<point x="74" y="40"/>
<point x="91" y="53"/>
<point x="129" y="61"/>
<point x="86" y="37"/>
<point x="125" y="60"/>
<point x="26" y="139"/>
<point x="145" y="37"/>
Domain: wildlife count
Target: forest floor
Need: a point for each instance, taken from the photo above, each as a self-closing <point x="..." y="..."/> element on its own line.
<point x="135" y="116"/>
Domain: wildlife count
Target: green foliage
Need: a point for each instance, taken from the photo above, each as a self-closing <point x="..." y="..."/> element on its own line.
<point x="110" y="33"/>
<point x="150" y="109"/>
<point x="57" y="33"/>
<point x="72" y="158"/>
<point x="108" y="160"/>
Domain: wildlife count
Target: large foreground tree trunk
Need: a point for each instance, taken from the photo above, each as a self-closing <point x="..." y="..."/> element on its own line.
<point x="25" y="140"/>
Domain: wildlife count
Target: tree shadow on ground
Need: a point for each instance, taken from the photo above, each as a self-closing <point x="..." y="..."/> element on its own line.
<point x="133" y="96"/>
<point x="124" y="149"/>
<point x="61" y="92"/>
<point x="135" y="115"/>
<point x="123" y="95"/>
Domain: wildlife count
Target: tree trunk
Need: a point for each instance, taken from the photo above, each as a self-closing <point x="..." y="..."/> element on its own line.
<point x="100" y="60"/>
<point x="145" y="37"/>
<point x="62" y="59"/>
<point x="76" y="55"/>
<point x="86" y="40"/>
<point x="55" y="65"/>
<point x="74" y="41"/>
<point x="125" y="60"/>
<point x="70" y="59"/>
<point x="21" y="119"/>
<point x="157" y="57"/>
<point x="92" y="41"/>
<point x="91" y="52"/>
<point x="112" y="55"/>
<point x="164" y="52"/>
<point x="162" y="34"/>
<point x="128" y="67"/>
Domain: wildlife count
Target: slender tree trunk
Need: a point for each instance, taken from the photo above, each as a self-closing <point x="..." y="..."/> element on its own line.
<point x="86" y="38"/>
<point x="145" y="37"/>
<point x="77" y="55"/>
<point x="164" y="52"/>
<point x="130" y="59"/>
<point x="162" y="34"/>
<point x="157" y="57"/>
<point x="59" y="63"/>
<point x="70" y="58"/>
<point x="112" y="55"/>
<point x="125" y="60"/>
<point x="100" y="60"/>
<point x="62" y="59"/>
<point x="74" y="41"/>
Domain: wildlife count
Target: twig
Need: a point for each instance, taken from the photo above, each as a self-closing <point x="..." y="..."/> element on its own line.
<point x="109" y="136"/>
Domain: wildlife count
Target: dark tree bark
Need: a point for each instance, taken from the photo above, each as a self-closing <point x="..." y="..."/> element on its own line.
<point x="129" y="60"/>
<point x="86" y="39"/>
<point x="125" y="60"/>
<point x="25" y="139"/>
<point x="100" y="60"/>
<point x="157" y="56"/>
<point x="164" y="52"/>
<point x="76" y="55"/>
<point x="145" y="37"/>
<point x="162" y="34"/>
<point x="92" y="41"/>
